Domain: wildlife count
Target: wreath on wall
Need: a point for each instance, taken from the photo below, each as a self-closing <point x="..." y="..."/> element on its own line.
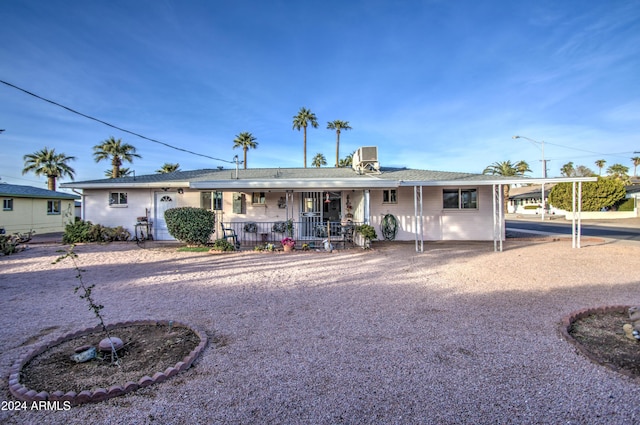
<point x="251" y="228"/>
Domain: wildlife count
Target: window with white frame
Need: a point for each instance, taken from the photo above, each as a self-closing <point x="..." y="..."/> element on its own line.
<point x="211" y="200"/>
<point x="118" y="198"/>
<point x="460" y="199"/>
<point x="258" y="198"/>
<point x="53" y="207"/>
<point x="7" y="204"/>
<point x="389" y="196"/>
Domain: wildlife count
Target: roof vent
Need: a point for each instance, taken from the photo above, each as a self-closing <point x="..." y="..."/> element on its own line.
<point x="365" y="160"/>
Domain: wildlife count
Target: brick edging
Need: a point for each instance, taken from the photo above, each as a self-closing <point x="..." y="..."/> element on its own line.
<point x="568" y="320"/>
<point x="23" y="393"/>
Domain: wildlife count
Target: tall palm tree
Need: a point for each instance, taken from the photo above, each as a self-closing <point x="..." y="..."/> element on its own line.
<point x="304" y="118"/>
<point x="507" y="169"/>
<point x="319" y="160"/>
<point x="338" y="126"/>
<point x="600" y="164"/>
<point x="48" y="163"/>
<point x="636" y="162"/>
<point x="245" y="140"/>
<point x="166" y="168"/>
<point x="117" y="151"/>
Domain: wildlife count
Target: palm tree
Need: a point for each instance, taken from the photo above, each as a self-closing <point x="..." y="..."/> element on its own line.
<point x="124" y="172"/>
<point x="166" y="168"/>
<point x="245" y="140"/>
<point x="338" y="126"/>
<point x="507" y="169"/>
<point x="347" y="161"/>
<point x="48" y="163"/>
<point x="600" y="164"/>
<point x="522" y="167"/>
<point x="117" y="151"/>
<point x="319" y="160"/>
<point x="636" y="162"/>
<point x="568" y="170"/>
<point x="302" y="120"/>
<point x="619" y="171"/>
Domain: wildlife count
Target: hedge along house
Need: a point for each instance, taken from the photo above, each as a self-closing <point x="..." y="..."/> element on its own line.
<point x="27" y="208"/>
<point x="314" y="204"/>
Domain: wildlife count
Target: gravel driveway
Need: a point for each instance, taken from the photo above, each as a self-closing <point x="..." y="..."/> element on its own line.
<point x="457" y="334"/>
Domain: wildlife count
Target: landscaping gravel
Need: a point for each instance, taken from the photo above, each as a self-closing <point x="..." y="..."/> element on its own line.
<point x="457" y="334"/>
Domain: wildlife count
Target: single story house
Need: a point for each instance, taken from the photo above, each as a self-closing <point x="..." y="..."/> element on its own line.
<point x="26" y="208"/>
<point x="314" y="204"/>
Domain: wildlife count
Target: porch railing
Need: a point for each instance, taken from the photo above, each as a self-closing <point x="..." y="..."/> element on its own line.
<point x="255" y="233"/>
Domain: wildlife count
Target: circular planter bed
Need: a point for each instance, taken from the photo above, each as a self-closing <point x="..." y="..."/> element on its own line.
<point x="597" y="334"/>
<point x="153" y="352"/>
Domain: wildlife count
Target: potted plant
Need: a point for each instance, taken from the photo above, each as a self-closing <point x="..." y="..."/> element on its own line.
<point x="288" y="244"/>
<point x="368" y="232"/>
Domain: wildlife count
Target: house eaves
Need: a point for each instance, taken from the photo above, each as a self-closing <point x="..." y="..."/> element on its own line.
<point x="297" y="184"/>
<point x="19" y="191"/>
<point x="484" y="180"/>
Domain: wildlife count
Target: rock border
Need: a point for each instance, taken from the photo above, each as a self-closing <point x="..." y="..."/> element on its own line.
<point x="23" y="393"/>
<point x="567" y="322"/>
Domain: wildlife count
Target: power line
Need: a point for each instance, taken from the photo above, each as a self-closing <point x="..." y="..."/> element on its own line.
<point x="111" y="125"/>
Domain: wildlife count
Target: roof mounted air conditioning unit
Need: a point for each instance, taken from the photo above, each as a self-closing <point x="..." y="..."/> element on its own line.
<point x="365" y="160"/>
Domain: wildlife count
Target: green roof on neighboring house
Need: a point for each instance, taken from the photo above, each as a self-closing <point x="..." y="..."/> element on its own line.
<point x="18" y="191"/>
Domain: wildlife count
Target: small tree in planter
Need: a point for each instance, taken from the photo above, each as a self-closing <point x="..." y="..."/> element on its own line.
<point x="368" y="233"/>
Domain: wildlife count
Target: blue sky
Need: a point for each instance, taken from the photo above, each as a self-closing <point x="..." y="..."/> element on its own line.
<point x="441" y="85"/>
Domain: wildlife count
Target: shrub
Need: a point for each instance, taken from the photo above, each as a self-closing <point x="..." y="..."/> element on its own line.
<point x="84" y="231"/>
<point x="222" y="245"/>
<point x="626" y="205"/>
<point x="603" y="193"/>
<point x="190" y="225"/>
<point x="367" y="231"/>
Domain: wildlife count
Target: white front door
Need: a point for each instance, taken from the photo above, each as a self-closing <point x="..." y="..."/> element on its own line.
<point x="163" y="202"/>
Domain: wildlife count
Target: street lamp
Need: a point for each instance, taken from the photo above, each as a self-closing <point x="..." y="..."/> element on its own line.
<point x="544" y="169"/>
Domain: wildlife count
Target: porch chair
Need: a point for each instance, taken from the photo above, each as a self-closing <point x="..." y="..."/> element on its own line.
<point x="230" y="233"/>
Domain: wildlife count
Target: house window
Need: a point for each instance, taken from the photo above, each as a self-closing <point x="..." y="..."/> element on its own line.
<point x="7" y="204"/>
<point x="211" y="200"/>
<point x="389" y="196"/>
<point x="460" y="199"/>
<point x="258" y="198"/>
<point x="53" y="207"/>
<point x="118" y="198"/>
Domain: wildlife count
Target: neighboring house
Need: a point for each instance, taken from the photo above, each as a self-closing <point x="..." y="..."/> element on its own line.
<point x="257" y="203"/>
<point x="528" y="200"/>
<point x="26" y="208"/>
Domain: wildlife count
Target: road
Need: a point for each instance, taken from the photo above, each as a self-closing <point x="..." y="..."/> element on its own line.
<point x="628" y="230"/>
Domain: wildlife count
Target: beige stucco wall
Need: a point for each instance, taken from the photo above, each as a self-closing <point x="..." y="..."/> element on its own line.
<point x="31" y="214"/>
<point x="438" y="224"/>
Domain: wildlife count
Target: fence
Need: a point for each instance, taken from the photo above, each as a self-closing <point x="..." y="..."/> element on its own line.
<point x="251" y="233"/>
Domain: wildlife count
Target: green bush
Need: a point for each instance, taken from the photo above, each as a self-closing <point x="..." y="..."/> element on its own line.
<point x="367" y="231"/>
<point x="531" y="207"/>
<point x="84" y="231"/>
<point x="222" y="245"/>
<point x="603" y="193"/>
<point x="626" y="205"/>
<point x="190" y="225"/>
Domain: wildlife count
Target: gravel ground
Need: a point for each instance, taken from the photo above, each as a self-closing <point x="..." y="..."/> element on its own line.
<point x="457" y="334"/>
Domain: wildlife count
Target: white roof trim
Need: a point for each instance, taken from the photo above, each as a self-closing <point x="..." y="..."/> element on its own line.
<point x="490" y="182"/>
<point x="293" y="184"/>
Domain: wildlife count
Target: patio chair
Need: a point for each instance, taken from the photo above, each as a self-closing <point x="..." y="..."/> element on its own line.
<point x="230" y="233"/>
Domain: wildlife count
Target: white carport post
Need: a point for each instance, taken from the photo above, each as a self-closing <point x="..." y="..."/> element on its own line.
<point x="418" y="218"/>
<point x="576" y="230"/>
<point x="498" y="218"/>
